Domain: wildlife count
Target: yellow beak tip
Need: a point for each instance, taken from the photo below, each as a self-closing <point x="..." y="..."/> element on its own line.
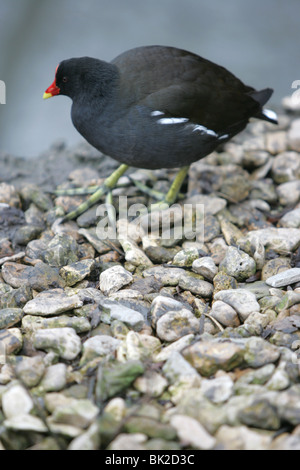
<point x="46" y="96"/>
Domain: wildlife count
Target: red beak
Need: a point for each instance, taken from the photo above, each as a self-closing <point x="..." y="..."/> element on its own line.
<point x="52" y="90"/>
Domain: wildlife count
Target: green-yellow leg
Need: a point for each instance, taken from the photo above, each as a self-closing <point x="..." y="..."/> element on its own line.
<point x="108" y="185"/>
<point x="172" y="194"/>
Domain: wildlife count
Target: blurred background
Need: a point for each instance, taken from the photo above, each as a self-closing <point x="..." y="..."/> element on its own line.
<point x="258" y="41"/>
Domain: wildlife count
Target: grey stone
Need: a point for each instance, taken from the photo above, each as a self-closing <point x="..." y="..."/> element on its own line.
<point x="186" y="257"/>
<point x="62" y="341"/>
<point x="218" y="390"/>
<point x="225" y="314"/>
<point x="206" y="267"/>
<point x="192" y="433"/>
<point x="61" y="250"/>
<point x="238" y="264"/>
<point x="285" y="278"/>
<point x="259" y="352"/>
<point x="25" y="422"/>
<point x="294" y="135"/>
<point x="76" y="272"/>
<point x="10" y="317"/>
<point x="52" y="303"/>
<point x="98" y="346"/>
<point x="277" y="239"/>
<point x="289" y="193"/>
<point x="291" y="219"/>
<point x="209" y="356"/>
<point x="113" y="310"/>
<point x="173" y="325"/>
<point x="286" y="167"/>
<point x="55" y="378"/>
<point x="113" y="279"/>
<point x="30" y="370"/>
<point x="243" y="301"/>
<point x="32" y="323"/>
<point x="16" y="401"/>
<point x="161" y="305"/>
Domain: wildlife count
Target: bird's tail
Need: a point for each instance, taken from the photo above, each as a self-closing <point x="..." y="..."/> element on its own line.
<point x="262" y="97"/>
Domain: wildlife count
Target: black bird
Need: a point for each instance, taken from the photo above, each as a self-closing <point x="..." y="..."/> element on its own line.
<point x="156" y="107"/>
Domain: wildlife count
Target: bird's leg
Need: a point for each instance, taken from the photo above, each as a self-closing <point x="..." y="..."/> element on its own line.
<point x="172" y="194"/>
<point x="108" y="185"/>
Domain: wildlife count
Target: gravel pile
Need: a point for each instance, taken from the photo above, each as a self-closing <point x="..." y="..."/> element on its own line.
<point x="151" y="340"/>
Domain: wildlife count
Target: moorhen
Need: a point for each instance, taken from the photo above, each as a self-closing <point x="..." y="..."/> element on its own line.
<point x="155" y="107"/>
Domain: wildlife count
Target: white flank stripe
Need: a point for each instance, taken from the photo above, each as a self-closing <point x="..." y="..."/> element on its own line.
<point x="205" y="130"/>
<point x="270" y="114"/>
<point x="172" y="120"/>
<point x="156" y="113"/>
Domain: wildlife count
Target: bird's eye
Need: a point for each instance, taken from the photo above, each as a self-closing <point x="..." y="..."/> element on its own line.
<point x="65" y="79"/>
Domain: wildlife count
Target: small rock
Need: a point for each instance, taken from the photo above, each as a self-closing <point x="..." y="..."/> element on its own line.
<point x="9" y="195"/>
<point x="55" y="378"/>
<point x="207" y="357"/>
<point x="242" y="438"/>
<point x="294" y="135"/>
<point x="291" y="219"/>
<point x="91" y="235"/>
<point x="177" y="369"/>
<point x="11" y="341"/>
<point x="260" y="414"/>
<point x="286" y="167"/>
<point x="206" y="267"/>
<point x="16" y="401"/>
<point x="76" y="272"/>
<point x="25" y="422"/>
<point x="98" y="346"/>
<point x="277" y="239"/>
<point x="285" y="278"/>
<point x="225" y="314"/>
<point x="276" y="142"/>
<point x="275" y="266"/>
<point x="113" y="279"/>
<point x="32" y="193"/>
<point x="211" y="228"/>
<point x="238" y="264"/>
<point x="236" y="187"/>
<point x="243" y="301"/>
<point x="212" y="205"/>
<point x="133" y="254"/>
<point x="52" y="303"/>
<point x="32" y="323"/>
<point x="61" y="251"/>
<point x="173" y="325"/>
<point x="113" y="310"/>
<point x="173" y="348"/>
<point x="161" y="305"/>
<point x="133" y="441"/>
<point x="186" y="257"/>
<point x="218" y="390"/>
<point x="288" y="405"/>
<point x="192" y="433"/>
<point x="79" y="413"/>
<point x="196" y="285"/>
<point x="30" y="370"/>
<point x="10" y="317"/>
<point x="289" y="193"/>
<point x="62" y="341"/>
<point x="137" y="346"/>
<point x="151" y="383"/>
<point x="223" y="281"/>
<point x="39" y="277"/>
<point x="259" y="352"/>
